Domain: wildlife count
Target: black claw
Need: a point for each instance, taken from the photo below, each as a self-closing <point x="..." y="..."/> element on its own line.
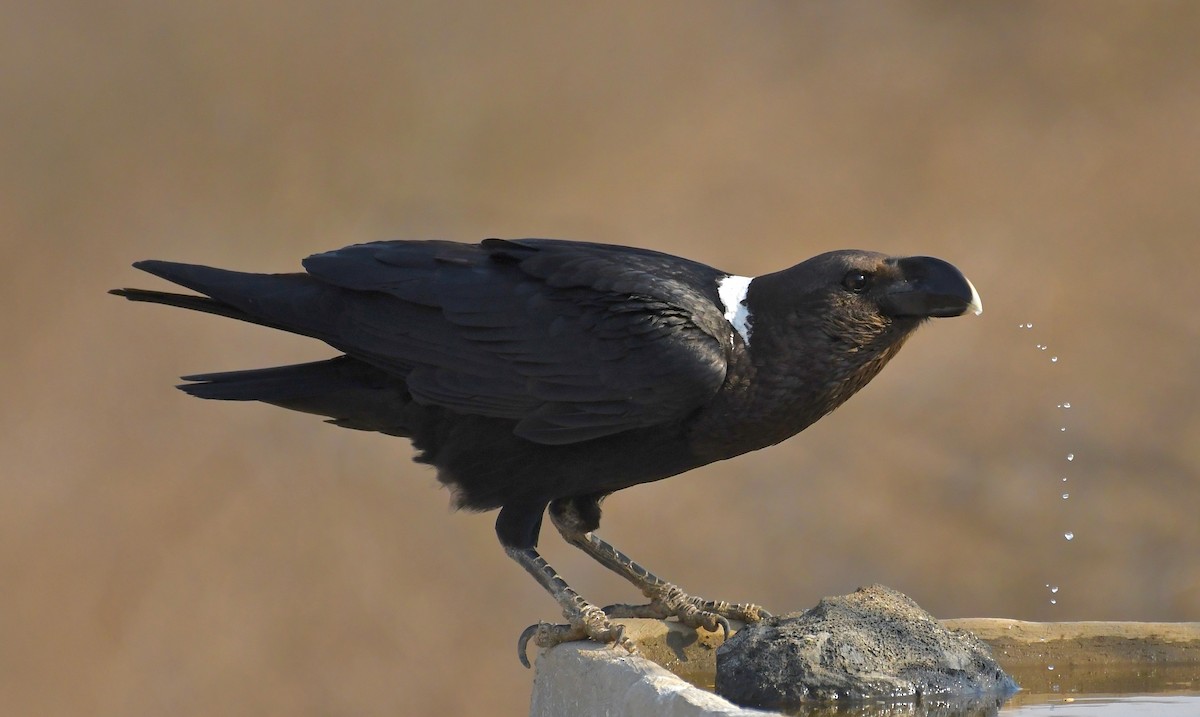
<point x="545" y="634"/>
<point x="523" y="643"/>
<point x="724" y="625"/>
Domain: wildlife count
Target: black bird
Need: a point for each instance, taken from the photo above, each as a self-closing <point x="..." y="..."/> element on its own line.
<point x="539" y="374"/>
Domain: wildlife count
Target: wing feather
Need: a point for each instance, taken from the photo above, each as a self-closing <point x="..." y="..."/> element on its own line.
<point x="573" y="341"/>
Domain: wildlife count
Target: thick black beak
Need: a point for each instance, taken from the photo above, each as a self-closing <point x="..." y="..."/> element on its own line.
<point x="929" y="287"/>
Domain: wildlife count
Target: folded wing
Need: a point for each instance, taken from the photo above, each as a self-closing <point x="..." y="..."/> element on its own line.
<point x="572" y="341"/>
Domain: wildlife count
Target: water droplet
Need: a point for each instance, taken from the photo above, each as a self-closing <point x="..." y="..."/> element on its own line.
<point x="1053" y="601"/>
<point x="1050" y="667"/>
<point x="1070" y="456"/>
<point x="1041" y="347"/>
<point x="1053" y="359"/>
<point x="1063" y="429"/>
<point x="1069" y="535"/>
<point x="1066" y="404"/>
<point x="1064" y="480"/>
<point x="1066" y="495"/>
<point x="1054" y="589"/>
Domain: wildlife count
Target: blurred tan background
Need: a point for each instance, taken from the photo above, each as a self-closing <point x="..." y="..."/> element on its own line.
<point x="164" y="555"/>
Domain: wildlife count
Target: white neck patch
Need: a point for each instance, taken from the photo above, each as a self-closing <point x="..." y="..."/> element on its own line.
<point x="732" y="290"/>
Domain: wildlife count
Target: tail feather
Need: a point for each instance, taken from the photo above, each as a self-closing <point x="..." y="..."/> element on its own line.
<point x="184" y="301"/>
<point x="221" y="284"/>
<point x="349" y="392"/>
<point x="290" y="302"/>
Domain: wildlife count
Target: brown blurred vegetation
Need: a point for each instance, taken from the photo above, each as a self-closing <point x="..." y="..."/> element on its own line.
<point x="163" y="555"/>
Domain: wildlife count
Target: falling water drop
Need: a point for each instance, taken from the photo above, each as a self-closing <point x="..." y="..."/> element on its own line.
<point x="1066" y="404"/>
<point x="1054" y="589"/>
<point x="1070" y="456"/>
<point x="1069" y="535"/>
<point x="1053" y="359"/>
<point x="1066" y="495"/>
<point x="1063" y="429"/>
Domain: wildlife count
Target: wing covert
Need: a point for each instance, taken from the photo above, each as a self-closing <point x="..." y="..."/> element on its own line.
<point x="573" y="341"/>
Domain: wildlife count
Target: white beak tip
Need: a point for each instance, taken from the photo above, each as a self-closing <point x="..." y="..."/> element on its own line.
<point x="976" y="304"/>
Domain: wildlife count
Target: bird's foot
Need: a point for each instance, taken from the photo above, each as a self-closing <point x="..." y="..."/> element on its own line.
<point x="695" y="612"/>
<point x="588" y="622"/>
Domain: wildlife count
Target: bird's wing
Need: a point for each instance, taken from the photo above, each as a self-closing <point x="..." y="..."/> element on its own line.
<point x="574" y="341"/>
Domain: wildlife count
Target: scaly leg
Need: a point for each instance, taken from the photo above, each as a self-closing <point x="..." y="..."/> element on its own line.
<point x="576" y="518"/>
<point x="517" y="527"/>
<point x="586" y="621"/>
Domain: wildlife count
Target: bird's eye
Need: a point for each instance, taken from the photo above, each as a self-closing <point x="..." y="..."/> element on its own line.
<point x="856" y="281"/>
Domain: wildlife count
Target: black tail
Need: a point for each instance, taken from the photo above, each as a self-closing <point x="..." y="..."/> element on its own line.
<point x="184" y="301"/>
<point x="289" y="302"/>
<point x="351" y="393"/>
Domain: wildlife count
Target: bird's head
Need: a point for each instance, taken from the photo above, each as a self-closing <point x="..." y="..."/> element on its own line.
<point x="910" y="287"/>
<point x="818" y="332"/>
<point x="862" y="297"/>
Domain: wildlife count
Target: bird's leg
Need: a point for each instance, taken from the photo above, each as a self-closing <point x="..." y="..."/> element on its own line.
<point x="585" y="619"/>
<point x="517" y="527"/>
<point x="576" y="518"/>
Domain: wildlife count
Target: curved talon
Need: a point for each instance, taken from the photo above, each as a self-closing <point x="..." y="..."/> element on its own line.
<point x="754" y="613"/>
<point x="620" y="639"/>
<point x="724" y="625"/>
<point x="693" y="612"/>
<point x="523" y="643"/>
<point x="750" y="612"/>
<point x="545" y="634"/>
<point x="745" y="612"/>
<point x="708" y="620"/>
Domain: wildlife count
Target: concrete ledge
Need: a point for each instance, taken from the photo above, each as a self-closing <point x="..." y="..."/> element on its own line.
<point x="584" y="679"/>
<point x="1019" y="644"/>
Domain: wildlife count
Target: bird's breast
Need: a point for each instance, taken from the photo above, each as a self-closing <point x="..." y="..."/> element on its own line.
<point x="765" y="402"/>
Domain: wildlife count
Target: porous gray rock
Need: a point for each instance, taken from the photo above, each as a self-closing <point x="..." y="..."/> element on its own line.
<point x="872" y="645"/>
